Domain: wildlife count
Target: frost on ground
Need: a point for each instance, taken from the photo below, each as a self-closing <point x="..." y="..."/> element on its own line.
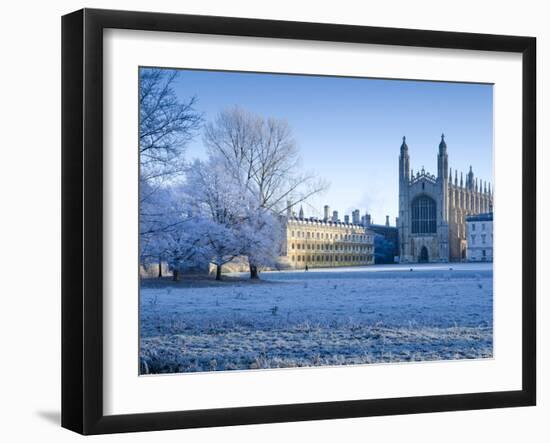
<point x="320" y="317"/>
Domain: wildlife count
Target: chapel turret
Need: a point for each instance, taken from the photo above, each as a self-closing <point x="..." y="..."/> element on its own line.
<point x="404" y="162"/>
<point x="470" y="179"/>
<point x="442" y="159"/>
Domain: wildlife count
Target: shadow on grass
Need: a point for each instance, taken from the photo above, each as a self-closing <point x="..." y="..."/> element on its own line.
<point x="200" y="281"/>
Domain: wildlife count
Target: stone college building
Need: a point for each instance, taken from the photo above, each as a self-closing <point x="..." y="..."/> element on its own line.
<point x="433" y="209"/>
<point x="311" y="242"/>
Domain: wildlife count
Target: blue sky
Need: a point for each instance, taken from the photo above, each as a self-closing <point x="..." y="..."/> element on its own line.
<point x="349" y="130"/>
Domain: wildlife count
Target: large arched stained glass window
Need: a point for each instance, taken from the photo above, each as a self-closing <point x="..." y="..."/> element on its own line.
<point x="423" y="216"/>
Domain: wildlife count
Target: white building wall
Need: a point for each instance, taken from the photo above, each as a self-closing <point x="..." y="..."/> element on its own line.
<point x="480" y="240"/>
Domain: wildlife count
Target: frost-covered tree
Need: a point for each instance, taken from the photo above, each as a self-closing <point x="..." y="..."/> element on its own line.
<point x="263" y="154"/>
<point x="262" y="234"/>
<point x="219" y="205"/>
<point x="263" y="157"/>
<point x="181" y="243"/>
<point x="166" y="125"/>
<point x="156" y="219"/>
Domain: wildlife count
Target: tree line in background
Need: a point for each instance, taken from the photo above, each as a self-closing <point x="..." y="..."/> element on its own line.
<point x="201" y="212"/>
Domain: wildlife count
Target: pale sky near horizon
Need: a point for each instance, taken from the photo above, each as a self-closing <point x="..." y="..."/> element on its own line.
<point x="349" y="130"/>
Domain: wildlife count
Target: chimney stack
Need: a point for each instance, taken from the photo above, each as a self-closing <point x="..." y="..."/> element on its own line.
<point x="334" y="216"/>
<point x="327" y="211"/>
<point x="346" y="218"/>
<point x="355" y="217"/>
<point x="387" y="220"/>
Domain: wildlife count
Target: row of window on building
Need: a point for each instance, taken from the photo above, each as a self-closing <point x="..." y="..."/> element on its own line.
<point x="331" y="247"/>
<point x="473" y="225"/>
<point x="330" y="236"/>
<point x="329" y="258"/>
<point x="483" y="239"/>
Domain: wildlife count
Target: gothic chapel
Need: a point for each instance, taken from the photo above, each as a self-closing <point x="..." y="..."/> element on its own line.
<point x="432" y="209"/>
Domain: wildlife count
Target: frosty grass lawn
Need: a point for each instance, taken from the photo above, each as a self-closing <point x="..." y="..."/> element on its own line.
<point x="322" y="317"/>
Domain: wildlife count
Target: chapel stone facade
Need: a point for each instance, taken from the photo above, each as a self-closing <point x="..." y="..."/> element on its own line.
<point x="433" y="208"/>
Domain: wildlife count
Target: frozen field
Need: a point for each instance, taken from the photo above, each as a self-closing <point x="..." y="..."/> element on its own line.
<point x="321" y="317"/>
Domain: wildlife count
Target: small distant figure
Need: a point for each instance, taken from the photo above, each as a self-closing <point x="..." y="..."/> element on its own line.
<point x="307" y="269"/>
<point x="450" y="269"/>
<point x="410" y="269"/>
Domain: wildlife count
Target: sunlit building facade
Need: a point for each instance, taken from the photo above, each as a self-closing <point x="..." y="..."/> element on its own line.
<point x="328" y="242"/>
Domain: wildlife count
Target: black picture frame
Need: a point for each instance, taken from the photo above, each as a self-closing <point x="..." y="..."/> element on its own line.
<point x="82" y="215"/>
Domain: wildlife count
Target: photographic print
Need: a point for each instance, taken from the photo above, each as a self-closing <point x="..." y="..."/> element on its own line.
<point x="294" y="221"/>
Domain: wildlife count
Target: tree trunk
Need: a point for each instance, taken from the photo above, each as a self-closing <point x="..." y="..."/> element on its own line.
<point x="176" y="275"/>
<point x="254" y="272"/>
<point x="160" y="267"/>
<point x="218" y="272"/>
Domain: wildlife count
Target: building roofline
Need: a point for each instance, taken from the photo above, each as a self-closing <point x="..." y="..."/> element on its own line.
<point x="487" y="216"/>
<point x="329" y="223"/>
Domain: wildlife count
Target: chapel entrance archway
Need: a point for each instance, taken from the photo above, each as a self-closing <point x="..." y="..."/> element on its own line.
<point x="423" y="258"/>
